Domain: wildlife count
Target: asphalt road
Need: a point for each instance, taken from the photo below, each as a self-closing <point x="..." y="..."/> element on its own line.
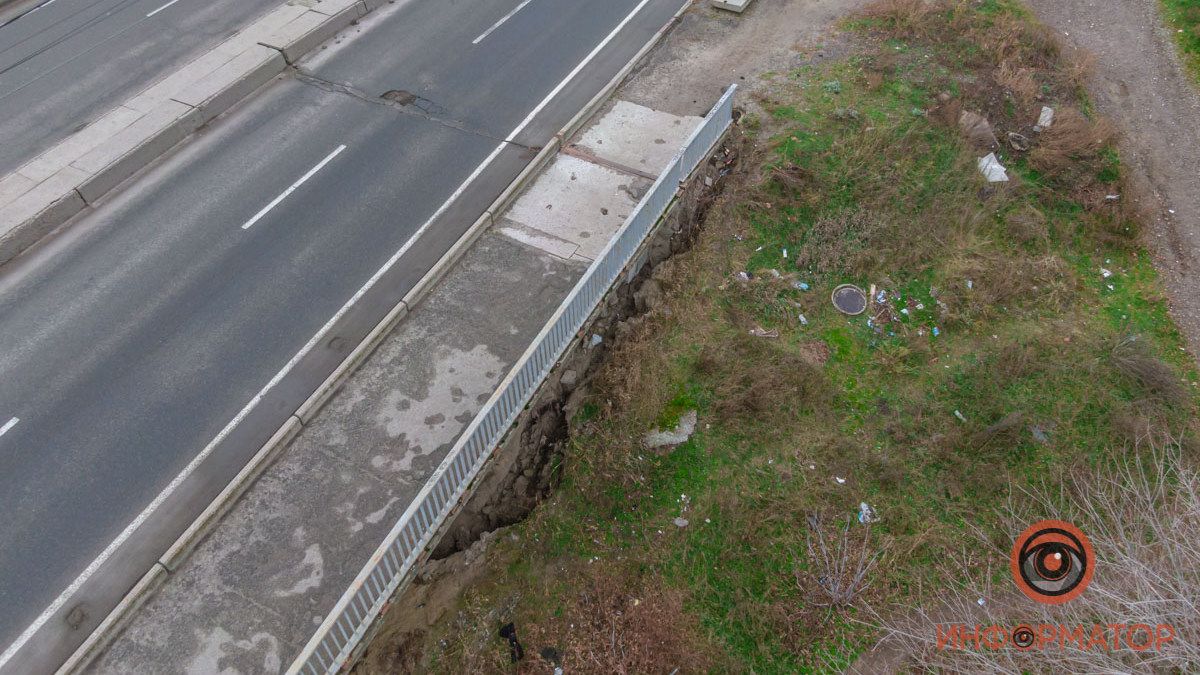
<point x="66" y="62"/>
<point x="132" y="341"/>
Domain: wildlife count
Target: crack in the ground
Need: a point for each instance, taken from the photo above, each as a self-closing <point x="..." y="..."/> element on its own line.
<point x="404" y="102"/>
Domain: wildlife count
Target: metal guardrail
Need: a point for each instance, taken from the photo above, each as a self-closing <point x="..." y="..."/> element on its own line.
<point x="344" y="627"/>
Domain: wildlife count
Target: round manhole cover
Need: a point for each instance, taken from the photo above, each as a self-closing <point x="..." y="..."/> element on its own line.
<point x="849" y="299"/>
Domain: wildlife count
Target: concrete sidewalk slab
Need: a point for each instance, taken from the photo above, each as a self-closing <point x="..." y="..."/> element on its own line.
<point x="220" y="89"/>
<point x="267" y="25"/>
<point x="14" y="185"/>
<point x="637" y="137"/>
<point x="738" y="6"/>
<point x="302" y="34"/>
<point x="125" y="153"/>
<point x="37" y="212"/>
<point x="48" y="163"/>
<point x="578" y="202"/>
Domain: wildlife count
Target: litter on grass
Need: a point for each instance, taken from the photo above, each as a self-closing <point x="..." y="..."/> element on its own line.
<point x="764" y="333"/>
<point x="992" y="170"/>
<point x="1045" y="119"/>
<point x="959" y="415"/>
<point x="866" y="514"/>
<point x="1039" y="435"/>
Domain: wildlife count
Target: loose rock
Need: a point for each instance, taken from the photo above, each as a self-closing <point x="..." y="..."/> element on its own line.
<point x="977" y="129"/>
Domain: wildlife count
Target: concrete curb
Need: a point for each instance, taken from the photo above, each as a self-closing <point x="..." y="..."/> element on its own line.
<point x="119" y="617"/>
<point x="116" y="620"/>
<point x="79" y="170"/>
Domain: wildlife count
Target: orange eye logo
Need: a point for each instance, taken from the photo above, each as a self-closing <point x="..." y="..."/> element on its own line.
<point x="1052" y="562"/>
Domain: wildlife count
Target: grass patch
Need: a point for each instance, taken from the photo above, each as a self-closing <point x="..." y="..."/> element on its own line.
<point x="1015" y="332"/>
<point x="1183" y="16"/>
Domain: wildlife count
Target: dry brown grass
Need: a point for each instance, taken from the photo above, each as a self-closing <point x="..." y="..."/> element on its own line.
<point x="904" y="18"/>
<point x="1002" y="283"/>
<point x="1071" y="145"/>
<point x="759" y="380"/>
<point x="849" y="241"/>
<point x="1132" y="358"/>
<point x="611" y="626"/>
<point x="1028" y="226"/>
<point x="1011" y="39"/>
<point x="1019" y="81"/>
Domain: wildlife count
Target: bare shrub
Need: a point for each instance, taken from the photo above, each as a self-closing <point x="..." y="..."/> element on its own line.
<point x="1142" y="516"/>
<point x="1132" y="358"/>
<point x="1072" y="140"/>
<point x="840" y="562"/>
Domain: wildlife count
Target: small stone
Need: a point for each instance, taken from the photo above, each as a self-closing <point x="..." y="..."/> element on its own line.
<point x="569" y="379"/>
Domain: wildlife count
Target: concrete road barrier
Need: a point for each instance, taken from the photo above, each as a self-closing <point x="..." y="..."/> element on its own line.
<point x="74" y="174"/>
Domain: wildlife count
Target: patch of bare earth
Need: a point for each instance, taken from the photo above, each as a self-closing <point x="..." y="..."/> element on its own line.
<point x="712" y="48"/>
<point x="1140" y="83"/>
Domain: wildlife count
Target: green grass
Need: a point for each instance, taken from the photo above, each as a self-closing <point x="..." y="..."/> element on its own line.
<point x="1183" y="16"/>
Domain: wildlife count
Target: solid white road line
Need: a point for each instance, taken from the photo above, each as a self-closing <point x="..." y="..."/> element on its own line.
<point x="161" y="8"/>
<point x="9" y="425"/>
<point x="311" y="172"/>
<point x="499" y="23"/>
<point x="87" y="573"/>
